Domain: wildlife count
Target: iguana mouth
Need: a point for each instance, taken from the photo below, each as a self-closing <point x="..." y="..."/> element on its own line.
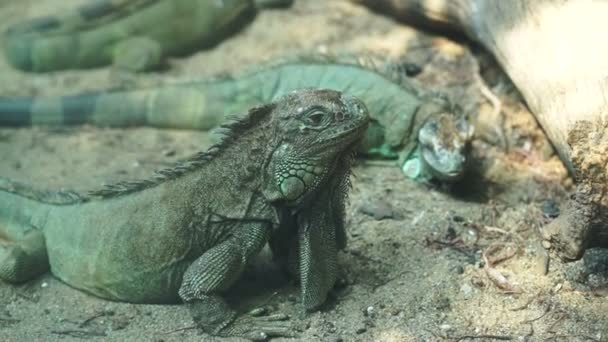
<point x="444" y="172"/>
<point x="345" y="136"/>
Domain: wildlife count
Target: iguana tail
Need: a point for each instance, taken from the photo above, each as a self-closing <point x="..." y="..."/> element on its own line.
<point x="42" y="196"/>
<point x="53" y="42"/>
<point x="23" y="212"/>
<point x="170" y="107"/>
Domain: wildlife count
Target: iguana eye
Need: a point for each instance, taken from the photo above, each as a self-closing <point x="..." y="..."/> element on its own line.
<point x="315" y="118"/>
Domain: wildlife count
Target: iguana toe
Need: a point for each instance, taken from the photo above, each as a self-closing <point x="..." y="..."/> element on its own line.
<point x="260" y="328"/>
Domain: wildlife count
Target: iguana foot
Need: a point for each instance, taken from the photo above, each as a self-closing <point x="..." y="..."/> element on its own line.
<point x="214" y="316"/>
<point x="137" y="54"/>
<point x="260" y="328"/>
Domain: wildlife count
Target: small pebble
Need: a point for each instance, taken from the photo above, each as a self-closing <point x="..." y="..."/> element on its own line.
<point x="467" y="290"/>
<point x="379" y="210"/>
<point x="557" y="287"/>
<point x="257" y="312"/>
<point x="44" y="284"/>
<point x="550" y="208"/>
<point x="361" y="330"/>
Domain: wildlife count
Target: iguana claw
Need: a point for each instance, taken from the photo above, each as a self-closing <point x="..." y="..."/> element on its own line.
<point x="260" y="328"/>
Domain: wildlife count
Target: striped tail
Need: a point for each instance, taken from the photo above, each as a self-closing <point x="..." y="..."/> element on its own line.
<point x="28" y="111"/>
<point x="198" y="106"/>
<point x="52" y="42"/>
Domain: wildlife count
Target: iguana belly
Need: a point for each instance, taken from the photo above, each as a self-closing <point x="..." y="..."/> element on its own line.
<point x="139" y="256"/>
<point x="158" y="286"/>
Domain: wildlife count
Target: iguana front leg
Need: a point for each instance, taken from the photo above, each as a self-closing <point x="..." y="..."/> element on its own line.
<point x="318" y="254"/>
<point x="214" y="272"/>
<point x="307" y="245"/>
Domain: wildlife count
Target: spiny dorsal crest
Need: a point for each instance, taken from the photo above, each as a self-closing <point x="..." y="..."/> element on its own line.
<point x="231" y="131"/>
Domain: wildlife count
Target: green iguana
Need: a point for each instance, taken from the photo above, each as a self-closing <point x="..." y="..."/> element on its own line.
<point x="135" y="35"/>
<point x="281" y="174"/>
<point x="420" y="128"/>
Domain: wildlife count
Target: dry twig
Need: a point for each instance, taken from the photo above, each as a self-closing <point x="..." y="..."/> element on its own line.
<point x="493" y="274"/>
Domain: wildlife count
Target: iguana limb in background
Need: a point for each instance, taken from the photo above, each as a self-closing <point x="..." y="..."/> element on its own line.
<point x="421" y="129"/>
<point x="280" y="173"/>
<point x="135" y="35"/>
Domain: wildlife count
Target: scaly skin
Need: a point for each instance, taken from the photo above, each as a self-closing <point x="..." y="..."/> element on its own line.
<point x="399" y="108"/>
<point x="135" y="35"/>
<point x="279" y="174"/>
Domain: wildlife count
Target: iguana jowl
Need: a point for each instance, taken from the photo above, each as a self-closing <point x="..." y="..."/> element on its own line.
<point x="280" y="174"/>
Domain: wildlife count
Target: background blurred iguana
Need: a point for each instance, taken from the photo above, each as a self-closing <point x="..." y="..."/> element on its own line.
<point x="134" y="35"/>
<point x="422" y="129"/>
<point x="564" y="84"/>
<point x="281" y="174"/>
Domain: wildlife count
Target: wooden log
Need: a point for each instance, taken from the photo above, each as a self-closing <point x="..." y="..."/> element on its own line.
<point x="556" y="53"/>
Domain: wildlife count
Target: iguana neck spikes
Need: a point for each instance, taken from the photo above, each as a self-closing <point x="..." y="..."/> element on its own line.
<point x="231" y="131"/>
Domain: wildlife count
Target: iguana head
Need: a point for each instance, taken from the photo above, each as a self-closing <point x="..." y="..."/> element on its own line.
<point x="443" y="141"/>
<point x="316" y="132"/>
<point x="316" y="129"/>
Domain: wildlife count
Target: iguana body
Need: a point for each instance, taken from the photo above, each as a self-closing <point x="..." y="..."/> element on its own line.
<point x="133" y="34"/>
<point x="280" y="174"/>
<point x="398" y="107"/>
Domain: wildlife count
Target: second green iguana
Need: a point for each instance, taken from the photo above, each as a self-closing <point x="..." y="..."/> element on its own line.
<point x="280" y="175"/>
<point x="134" y="35"/>
<point x="421" y="129"/>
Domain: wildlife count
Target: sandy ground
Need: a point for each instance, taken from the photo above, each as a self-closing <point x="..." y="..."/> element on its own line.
<point x="413" y="269"/>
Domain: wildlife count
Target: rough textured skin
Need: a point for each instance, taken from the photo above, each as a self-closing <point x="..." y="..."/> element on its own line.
<point x="280" y="174"/>
<point x="398" y="106"/>
<point x="134" y="35"/>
